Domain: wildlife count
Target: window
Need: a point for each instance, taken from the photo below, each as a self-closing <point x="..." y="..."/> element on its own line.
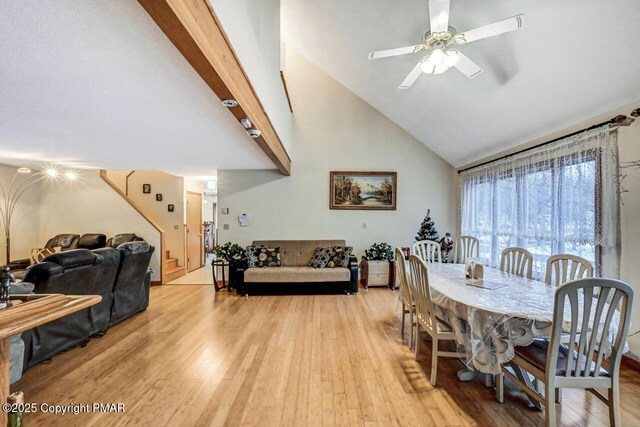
<point x="548" y="200"/>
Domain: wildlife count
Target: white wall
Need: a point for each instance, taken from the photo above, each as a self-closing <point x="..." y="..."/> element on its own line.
<point x="335" y="130"/>
<point x="89" y="205"/>
<point x="25" y="221"/>
<point x="253" y="27"/>
<point x="629" y="150"/>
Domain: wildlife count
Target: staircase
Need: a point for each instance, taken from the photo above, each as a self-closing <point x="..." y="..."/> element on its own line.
<point x="172" y="270"/>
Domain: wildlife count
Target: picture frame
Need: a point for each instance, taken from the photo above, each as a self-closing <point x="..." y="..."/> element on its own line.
<point x="171" y="208"/>
<point x="146" y="188"/>
<point x="158" y="197"/>
<point x="351" y="190"/>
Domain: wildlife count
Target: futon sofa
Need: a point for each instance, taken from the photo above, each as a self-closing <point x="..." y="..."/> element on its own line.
<point x="120" y="276"/>
<point x="294" y="273"/>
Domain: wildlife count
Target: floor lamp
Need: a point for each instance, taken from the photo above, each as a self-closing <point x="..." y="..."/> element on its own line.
<point x="13" y="192"/>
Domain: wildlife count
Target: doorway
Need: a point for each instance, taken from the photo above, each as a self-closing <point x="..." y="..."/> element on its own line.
<point x="195" y="242"/>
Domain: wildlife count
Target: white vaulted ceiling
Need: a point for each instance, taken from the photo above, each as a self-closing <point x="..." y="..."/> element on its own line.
<point x="97" y="83"/>
<point x="574" y="60"/>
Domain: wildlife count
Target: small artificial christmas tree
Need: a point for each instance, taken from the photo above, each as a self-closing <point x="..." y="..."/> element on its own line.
<point x="427" y="229"/>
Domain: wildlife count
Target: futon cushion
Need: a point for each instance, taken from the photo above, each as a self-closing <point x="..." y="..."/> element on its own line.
<point x="340" y="258"/>
<point x="536" y="354"/>
<point x="296" y="275"/>
<point x="321" y="257"/>
<point x="297" y="252"/>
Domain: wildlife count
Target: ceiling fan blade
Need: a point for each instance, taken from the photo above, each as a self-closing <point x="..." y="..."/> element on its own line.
<point x="500" y="27"/>
<point x="394" y="52"/>
<point x="439" y="15"/>
<point x="412" y="77"/>
<point x="467" y="66"/>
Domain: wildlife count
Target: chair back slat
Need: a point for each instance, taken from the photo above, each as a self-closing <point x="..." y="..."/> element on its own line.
<point x="592" y="313"/>
<point x="428" y="250"/>
<point x="593" y="342"/>
<point x="563" y="268"/>
<point x="465" y="247"/>
<point x="405" y="288"/>
<point x="518" y="261"/>
<point x="584" y="329"/>
<point x="422" y="295"/>
<point x="573" y="302"/>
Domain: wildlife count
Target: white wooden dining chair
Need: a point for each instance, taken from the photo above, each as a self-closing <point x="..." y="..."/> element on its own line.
<point x="406" y="295"/>
<point x="563" y="268"/>
<point x="579" y="364"/>
<point x="518" y="261"/>
<point x="426" y="316"/>
<point x="465" y="247"/>
<point x="428" y="250"/>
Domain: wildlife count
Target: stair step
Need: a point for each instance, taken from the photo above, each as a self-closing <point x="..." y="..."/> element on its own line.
<point x="174" y="273"/>
<point x="174" y="269"/>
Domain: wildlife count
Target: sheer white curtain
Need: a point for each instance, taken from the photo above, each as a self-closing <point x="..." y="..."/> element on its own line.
<point x="559" y="198"/>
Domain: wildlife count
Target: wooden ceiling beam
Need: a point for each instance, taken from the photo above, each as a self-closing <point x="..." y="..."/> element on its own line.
<point x="194" y="29"/>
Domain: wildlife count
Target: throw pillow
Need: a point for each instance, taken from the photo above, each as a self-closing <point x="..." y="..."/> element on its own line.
<point x="341" y="255"/>
<point x="252" y="255"/>
<point x="269" y="257"/>
<point x="321" y="257"/>
<point x="37" y="255"/>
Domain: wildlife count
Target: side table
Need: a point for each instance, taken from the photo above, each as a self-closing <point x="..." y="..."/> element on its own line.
<point x="215" y="264"/>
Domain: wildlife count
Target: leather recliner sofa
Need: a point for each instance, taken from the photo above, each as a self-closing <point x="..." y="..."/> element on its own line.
<point x="75" y="272"/>
<point x="65" y="242"/>
<point x="131" y="288"/>
<point x="114" y="274"/>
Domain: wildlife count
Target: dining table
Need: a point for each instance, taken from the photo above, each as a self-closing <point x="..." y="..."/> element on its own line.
<point x="493" y="315"/>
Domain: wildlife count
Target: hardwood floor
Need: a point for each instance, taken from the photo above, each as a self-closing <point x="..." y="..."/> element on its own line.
<point x="200" y="358"/>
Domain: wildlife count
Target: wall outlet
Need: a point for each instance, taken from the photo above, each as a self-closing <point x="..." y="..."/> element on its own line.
<point x="176" y="227"/>
<point x="225" y="226"/>
<point x="225" y="211"/>
<point x="364" y="225"/>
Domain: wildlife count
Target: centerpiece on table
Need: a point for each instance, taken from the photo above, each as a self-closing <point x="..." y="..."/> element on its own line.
<point x="378" y="266"/>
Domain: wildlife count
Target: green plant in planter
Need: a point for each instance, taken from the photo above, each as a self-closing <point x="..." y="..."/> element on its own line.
<point x="229" y="251"/>
<point x="379" y="252"/>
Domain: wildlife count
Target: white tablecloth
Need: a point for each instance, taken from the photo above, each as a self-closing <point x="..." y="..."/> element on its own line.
<point x="488" y="323"/>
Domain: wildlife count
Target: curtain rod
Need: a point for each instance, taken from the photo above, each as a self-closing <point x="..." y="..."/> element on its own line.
<point x="617" y="119"/>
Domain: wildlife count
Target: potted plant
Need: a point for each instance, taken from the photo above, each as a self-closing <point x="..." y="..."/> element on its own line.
<point x="229" y="251"/>
<point x="378" y="266"/>
<point x="227" y="255"/>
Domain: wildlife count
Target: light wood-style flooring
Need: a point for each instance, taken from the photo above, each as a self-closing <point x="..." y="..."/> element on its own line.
<point x="200" y="358"/>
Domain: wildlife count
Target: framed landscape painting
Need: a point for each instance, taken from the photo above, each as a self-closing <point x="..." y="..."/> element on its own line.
<point x="363" y="190"/>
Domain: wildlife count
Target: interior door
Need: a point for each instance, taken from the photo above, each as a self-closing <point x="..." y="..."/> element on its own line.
<point x="195" y="242"/>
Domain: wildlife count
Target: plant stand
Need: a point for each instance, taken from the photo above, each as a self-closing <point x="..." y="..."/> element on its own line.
<point x="378" y="274"/>
<point x="215" y="264"/>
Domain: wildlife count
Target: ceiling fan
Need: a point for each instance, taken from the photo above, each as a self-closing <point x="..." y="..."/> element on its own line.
<point x="440" y="43"/>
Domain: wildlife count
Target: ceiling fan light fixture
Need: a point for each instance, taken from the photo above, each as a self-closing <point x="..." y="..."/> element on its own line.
<point x="439" y="61"/>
